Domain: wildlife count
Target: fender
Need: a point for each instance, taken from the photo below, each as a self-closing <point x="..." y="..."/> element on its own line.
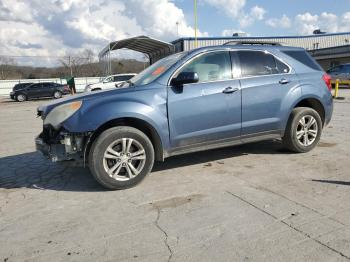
<point x="148" y="106"/>
<point x="306" y="91"/>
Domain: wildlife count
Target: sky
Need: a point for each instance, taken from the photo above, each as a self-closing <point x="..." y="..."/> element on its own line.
<point x="61" y="27"/>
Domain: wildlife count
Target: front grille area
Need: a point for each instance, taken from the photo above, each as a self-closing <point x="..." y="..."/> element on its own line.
<point x="50" y="135"/>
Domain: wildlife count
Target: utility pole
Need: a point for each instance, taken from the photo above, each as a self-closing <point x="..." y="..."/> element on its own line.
<point x="177" y="28"/>
<point x="70" y="65"/>
<point x="109" y="61"/>
<point x="195" y="24"/>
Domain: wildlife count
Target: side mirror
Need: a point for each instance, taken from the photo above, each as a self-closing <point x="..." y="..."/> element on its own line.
<point x="185" y="78"/>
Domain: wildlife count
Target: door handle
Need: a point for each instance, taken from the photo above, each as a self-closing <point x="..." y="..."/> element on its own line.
<point x="284" y="81"/>
<point x="230" y="89"/>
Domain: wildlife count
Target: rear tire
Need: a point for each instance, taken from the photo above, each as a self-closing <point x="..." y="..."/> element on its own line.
<point x="21" y="98"/>
<point x="57" y="94"/>
<point x="303" y="130"/>
<point x="121" y="157"/>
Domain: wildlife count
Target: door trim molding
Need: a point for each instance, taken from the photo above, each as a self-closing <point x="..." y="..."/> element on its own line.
<point x="250" y="138"/>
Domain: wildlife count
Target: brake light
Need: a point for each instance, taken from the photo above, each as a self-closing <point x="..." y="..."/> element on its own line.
<point x="327" y="79"/>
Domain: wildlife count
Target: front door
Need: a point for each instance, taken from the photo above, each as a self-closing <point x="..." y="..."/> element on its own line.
<point x="209" y="110"/>
<point x="34" y="90"/>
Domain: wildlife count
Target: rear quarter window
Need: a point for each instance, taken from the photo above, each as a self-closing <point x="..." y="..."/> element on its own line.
<point x="304" y="58"/>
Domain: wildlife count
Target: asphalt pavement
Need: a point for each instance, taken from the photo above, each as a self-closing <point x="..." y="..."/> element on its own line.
<point x="254" y="202"/>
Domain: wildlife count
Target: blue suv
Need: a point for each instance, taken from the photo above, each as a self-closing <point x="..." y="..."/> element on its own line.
<point x="191" y="101"/>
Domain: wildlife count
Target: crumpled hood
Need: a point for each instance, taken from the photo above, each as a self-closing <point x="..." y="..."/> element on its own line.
<point x="43" y="110"/>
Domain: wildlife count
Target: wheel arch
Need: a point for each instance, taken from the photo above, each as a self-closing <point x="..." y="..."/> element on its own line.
<point x="137" y="123"/>
<point x="313" y="103"/>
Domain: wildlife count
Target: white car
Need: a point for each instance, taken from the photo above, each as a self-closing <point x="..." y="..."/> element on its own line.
<point x="109" y="82"/>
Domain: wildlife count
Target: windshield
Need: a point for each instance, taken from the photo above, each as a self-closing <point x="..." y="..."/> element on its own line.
<point x="156" y="70"/>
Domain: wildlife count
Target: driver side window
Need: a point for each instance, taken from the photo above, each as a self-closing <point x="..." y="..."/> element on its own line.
<point x="35" y="86"/>
<point x="212" y="66"/>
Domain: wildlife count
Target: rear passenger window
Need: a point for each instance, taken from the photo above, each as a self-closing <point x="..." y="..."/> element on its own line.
<point x="255" y="63"/>
<point x="304" y="58"/>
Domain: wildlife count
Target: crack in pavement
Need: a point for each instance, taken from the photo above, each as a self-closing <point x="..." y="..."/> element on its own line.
<point x="292" y="227"/>
<point x="156" y="223"/>
<point x="297" y="203"/>
<point x="261" y="188"/>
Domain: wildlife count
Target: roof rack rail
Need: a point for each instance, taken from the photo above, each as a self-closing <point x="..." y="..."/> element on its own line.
<point x="252" y="43"/>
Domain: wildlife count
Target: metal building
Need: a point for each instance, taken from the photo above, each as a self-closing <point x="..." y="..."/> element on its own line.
<point x="328" y="49"/>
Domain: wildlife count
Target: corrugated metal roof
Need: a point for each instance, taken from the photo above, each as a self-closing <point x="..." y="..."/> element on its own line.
<point x="260" y="37"/>
<point x="141" y="44"/>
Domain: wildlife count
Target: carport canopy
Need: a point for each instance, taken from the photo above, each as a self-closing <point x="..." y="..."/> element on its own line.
<point x="155" y="49"/>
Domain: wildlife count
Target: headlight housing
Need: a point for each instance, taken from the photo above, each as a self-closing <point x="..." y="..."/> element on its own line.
<point x="62" y="113"/>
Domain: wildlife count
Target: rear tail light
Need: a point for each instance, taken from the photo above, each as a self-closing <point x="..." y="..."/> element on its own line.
<point x="327" y="79"/>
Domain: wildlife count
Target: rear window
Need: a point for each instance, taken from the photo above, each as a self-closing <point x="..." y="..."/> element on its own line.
<point x="304" y="58"/>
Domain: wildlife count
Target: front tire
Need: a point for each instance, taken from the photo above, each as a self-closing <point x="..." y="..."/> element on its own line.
<point x="21" y="98"/>
<point x="121" y="157"/>
<point x="303" y="130"/>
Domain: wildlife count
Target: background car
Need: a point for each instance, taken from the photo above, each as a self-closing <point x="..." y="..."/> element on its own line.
<point x="109" y="82"/>
<point x="38" y="90"/>
<point x="341" y="72"/>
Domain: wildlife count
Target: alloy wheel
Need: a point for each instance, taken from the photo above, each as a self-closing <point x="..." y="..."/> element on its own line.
<point x="124" y="159"/>
<point x="57" y="95"/>
<point x="20" y="98"/>
<point x="307" y="130"/>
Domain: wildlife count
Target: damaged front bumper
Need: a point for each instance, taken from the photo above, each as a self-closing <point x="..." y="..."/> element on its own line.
<point x="62" y="146"/>
<point x="55" y="152"/>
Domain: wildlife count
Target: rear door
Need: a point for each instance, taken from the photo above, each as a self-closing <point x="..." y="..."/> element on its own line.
<point x="47" y="89"/>
<point x="209" y="110"/>
<point x="265" y="81"/>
